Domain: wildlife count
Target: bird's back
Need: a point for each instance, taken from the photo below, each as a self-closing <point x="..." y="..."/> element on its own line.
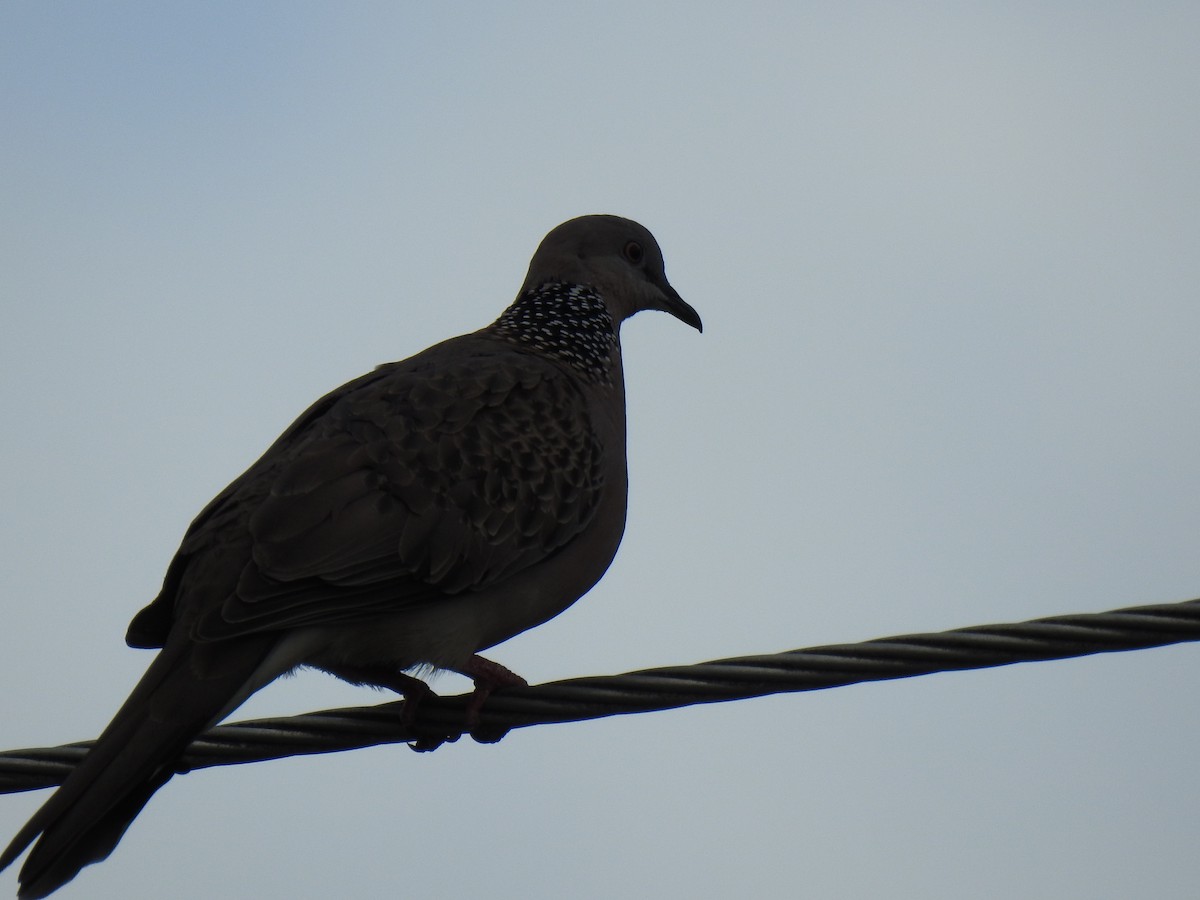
<point x="445" y="473"/>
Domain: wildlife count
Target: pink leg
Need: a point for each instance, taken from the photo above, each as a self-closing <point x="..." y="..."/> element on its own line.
<point x="487" y="676"/>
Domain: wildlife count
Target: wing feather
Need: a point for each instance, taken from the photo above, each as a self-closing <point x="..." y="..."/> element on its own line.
<point x="432" y="477"/>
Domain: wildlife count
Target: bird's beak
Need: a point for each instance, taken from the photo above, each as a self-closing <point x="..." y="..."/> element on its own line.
<point x="679" y="308"/>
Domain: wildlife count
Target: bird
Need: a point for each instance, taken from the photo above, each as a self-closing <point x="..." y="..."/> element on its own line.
<point x="405" y="522"/>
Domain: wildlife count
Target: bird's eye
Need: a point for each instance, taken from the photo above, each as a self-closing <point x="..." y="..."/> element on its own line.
<point x="633" y="252"/>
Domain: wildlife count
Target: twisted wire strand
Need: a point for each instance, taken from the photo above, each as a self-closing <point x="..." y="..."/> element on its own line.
<point x="439" y="719"/>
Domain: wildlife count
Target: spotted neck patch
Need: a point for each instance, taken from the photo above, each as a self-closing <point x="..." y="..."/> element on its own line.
<point x="568" y="322"/>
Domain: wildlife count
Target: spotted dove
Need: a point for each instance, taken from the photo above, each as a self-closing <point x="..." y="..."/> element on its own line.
<point x="408" y="520"/>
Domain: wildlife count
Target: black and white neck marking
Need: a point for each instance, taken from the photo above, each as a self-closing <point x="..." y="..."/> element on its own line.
<point x="568" y="322"/>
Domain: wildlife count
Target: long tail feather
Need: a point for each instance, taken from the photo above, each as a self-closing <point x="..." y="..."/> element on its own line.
<point x="187" y="688"/>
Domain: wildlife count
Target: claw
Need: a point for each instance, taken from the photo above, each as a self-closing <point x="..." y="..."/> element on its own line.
<point x="488" y="676"/>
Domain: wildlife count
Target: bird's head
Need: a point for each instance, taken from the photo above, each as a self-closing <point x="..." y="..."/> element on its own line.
<point x="618" y="257"/>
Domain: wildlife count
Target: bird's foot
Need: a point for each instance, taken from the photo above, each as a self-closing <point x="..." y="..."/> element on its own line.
<point x="488" y="676"/>
<point x="414" y="691"/>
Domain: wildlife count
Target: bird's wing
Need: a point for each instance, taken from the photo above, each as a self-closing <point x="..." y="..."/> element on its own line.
<point x="429" y="480"/>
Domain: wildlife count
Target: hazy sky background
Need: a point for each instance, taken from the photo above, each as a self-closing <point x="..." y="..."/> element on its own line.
<point x="947" y="257"/>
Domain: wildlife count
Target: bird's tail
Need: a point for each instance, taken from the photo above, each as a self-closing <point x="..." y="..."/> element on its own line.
<point x="184" y="691"/>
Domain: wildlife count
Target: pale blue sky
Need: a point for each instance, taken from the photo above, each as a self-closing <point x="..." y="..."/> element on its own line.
<point x="947" y="261"/>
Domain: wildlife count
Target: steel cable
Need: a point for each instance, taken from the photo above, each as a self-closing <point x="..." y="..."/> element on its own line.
<point x="438" y="719"/>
